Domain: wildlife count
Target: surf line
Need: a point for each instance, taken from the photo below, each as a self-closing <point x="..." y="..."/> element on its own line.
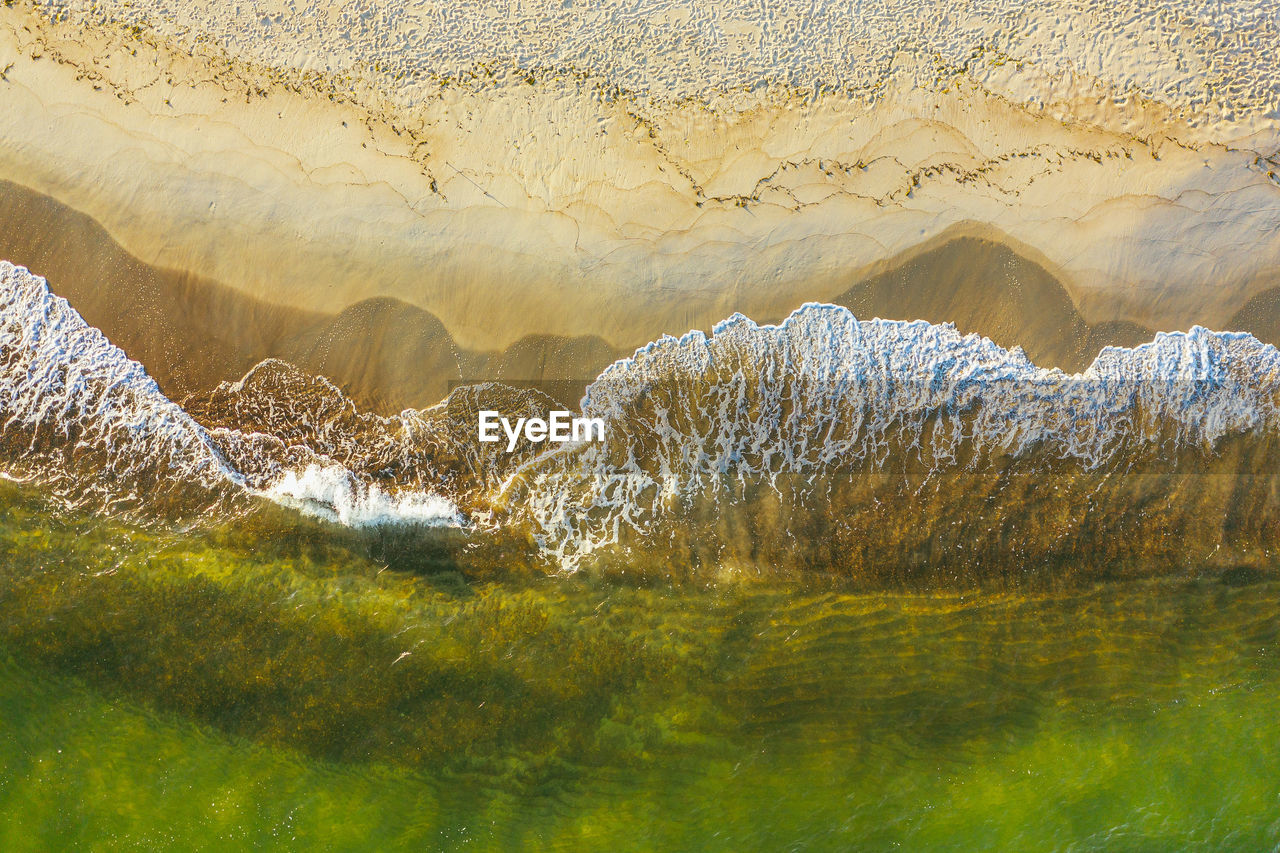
<point x="560" y="425"/>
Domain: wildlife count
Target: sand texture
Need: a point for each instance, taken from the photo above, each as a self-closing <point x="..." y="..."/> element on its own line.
<point x="398" y="193"/>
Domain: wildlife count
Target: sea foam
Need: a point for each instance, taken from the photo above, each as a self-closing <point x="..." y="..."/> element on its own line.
<point x="81" y="416"/>
<point x="332" y="493"/>
<point x="824" y="394"/>
<point x="821" y="432"/>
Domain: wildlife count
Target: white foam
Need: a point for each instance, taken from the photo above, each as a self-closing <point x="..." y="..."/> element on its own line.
<point x="690" y="417"/>
<point x="333" y="494"/>
<point x="687" y="419"/>
<point x="95" y="426"/>
<point x="98" y="431"/>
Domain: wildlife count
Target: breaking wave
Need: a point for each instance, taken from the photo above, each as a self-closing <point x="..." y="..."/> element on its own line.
<point x="875" y="449"/>
<point x="334" y="494"/>
<point x="89" y="425"/>
<point x="725" y="446"/>
<point x="86" y="421"/>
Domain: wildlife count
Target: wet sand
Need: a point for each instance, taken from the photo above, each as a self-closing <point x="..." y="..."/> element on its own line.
<point x="513" y="207"/>
<point x="984" y="286"/>
<point x="192" y="332"/>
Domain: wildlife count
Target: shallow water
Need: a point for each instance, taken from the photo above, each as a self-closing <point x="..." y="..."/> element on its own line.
<point x="249" y="686"/>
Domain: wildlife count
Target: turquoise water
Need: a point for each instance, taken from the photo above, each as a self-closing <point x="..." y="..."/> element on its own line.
<point x="233" y="689"/>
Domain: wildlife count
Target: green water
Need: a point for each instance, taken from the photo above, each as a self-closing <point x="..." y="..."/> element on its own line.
<point x="250" y="687"/>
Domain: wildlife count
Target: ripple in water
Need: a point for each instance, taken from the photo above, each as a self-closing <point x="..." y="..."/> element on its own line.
<point x="887" y="452"/>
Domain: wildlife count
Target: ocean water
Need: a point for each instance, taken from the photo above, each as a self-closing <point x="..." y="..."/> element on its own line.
<point x="180" y="691"/>
<point x="882" y="451"/>
<point x="830" y="584"/>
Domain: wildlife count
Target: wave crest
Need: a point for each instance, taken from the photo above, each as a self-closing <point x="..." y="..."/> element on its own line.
<point x="722" y="446"/>
<point x="877" y="449"/>
<point x="80" y="416"/>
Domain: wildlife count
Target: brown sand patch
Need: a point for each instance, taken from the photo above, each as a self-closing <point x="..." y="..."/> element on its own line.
<point x="986" y="287"/>
<point x="192" y="332"/>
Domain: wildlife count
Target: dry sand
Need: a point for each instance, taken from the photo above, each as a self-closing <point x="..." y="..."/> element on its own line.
<point x="606" y="173"/>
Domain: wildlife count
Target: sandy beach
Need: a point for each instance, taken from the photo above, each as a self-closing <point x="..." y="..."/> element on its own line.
<point x="544" y="181"/>
<point x="656" y="425"/>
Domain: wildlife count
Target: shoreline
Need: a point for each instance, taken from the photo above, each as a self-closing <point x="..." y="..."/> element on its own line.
<point x="619" y="228"/>
<point x="192" y="332"/>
